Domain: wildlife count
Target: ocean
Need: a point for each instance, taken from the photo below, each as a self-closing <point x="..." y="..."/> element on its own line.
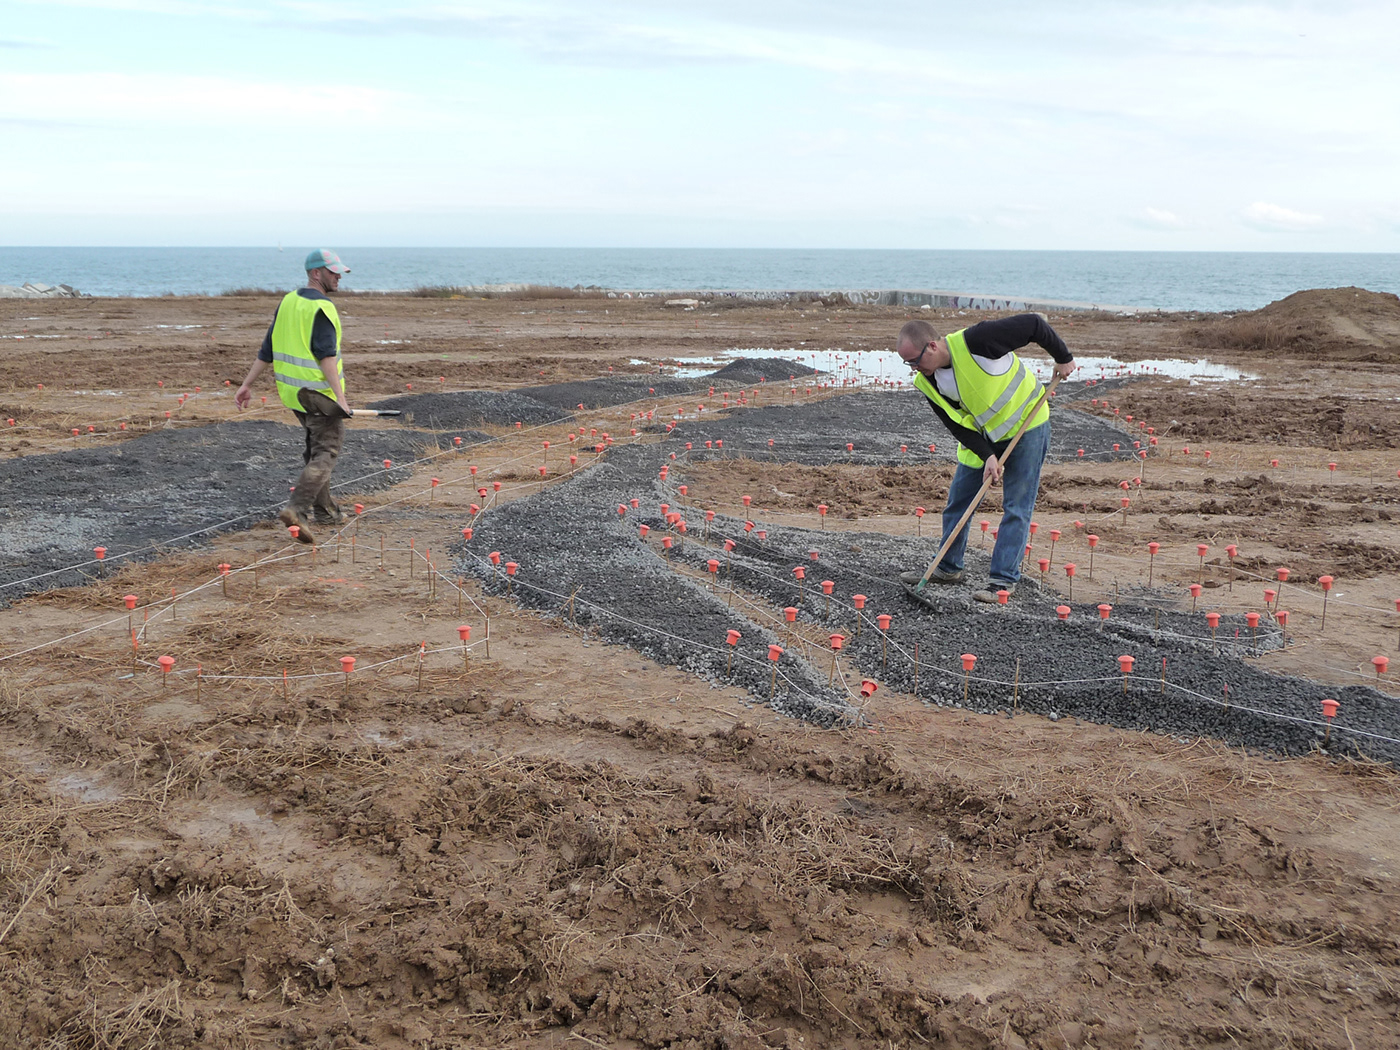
<point x="1161" y="280"/>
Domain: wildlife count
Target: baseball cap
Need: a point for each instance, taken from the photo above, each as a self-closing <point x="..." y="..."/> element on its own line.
<point x="324" y="257"/>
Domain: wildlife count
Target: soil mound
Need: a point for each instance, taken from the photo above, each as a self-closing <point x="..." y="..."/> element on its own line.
<point x="605" y="393"/>
<point x="1350" y="324"/>
<point x="750" y="369"/>
<point x="471" y="408"/>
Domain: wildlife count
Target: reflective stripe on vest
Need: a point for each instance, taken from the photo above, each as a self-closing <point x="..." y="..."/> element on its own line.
<point x="997" y="403"/>
<point x="293" y="364"/>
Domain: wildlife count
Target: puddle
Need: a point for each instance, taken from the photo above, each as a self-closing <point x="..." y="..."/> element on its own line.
<point x="1198" y="371"/>
<point x="218" y="822"/>
<point x="84" y="788"/>
<point x="884" y="367"/>
<point x="389" y="737"/>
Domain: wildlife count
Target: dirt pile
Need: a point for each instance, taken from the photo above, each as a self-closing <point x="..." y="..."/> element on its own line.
<point x="470" y="408"/>
<point x="747" y="371"/>
<point x="1345" y="324"/>
<point x="604" y="393"/>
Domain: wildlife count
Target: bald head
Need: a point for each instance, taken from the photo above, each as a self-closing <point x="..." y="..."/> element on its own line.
<point x="913" y="337"/>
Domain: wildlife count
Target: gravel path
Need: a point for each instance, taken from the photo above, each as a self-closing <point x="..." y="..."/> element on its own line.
<point x="470" y="408"/>
<point x="571" y="540"/>
<point x="132" y="498"/>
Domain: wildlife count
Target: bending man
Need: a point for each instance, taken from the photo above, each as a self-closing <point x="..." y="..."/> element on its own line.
<point x="303" y="346"/>
<point x="982" y="390"/>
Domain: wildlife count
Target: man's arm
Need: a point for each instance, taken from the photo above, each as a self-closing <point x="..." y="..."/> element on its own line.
<point x="332" y="375"/>
<point x="994" y="339"/>
<point x="323" y="348"/>
<point x="973" y="440"/>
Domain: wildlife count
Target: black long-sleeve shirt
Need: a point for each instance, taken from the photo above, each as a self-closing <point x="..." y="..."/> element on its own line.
<point x="995" y="339"/>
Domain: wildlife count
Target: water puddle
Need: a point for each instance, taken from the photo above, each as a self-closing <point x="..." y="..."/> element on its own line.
<point x="884" y="367"/>
<point x="84" y="788"/>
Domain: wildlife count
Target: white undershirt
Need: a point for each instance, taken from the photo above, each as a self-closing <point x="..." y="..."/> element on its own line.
<point x="947" y="382"/>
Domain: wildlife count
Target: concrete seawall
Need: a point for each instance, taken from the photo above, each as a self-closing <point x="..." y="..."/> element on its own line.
<point x="894" y="297"/>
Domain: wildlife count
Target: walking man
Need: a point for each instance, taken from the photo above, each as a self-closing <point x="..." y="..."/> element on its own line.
<point x="975" y="382"/>
<point x="303" y="346"/>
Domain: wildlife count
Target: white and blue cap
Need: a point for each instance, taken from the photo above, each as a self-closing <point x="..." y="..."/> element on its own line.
<point x="324" y="258"/>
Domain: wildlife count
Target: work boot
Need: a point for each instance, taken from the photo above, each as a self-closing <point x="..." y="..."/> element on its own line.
<point x="290" y="517"/>
<point x="331" y="516"/>
<point x="989" y="596"/>
<point x="913" y="576"/>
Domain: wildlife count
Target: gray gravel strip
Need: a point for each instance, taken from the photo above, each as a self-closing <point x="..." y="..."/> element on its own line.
<point x="163" y="490"/>
<point x="571" y="540"/>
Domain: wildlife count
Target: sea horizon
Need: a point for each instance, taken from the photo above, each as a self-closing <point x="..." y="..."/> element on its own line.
<point x="1140" y="279"/>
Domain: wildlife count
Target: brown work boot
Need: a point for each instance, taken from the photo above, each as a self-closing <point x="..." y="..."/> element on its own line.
<point x="290" y="517"/>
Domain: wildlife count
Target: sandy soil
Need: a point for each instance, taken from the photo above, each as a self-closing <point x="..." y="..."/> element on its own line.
<point x="562" y="843"/>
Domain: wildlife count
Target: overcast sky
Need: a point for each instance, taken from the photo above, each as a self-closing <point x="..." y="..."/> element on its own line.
<point x="912" y="124"/>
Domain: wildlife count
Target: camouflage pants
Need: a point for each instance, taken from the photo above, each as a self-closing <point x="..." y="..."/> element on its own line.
<point x="325" y="432"/>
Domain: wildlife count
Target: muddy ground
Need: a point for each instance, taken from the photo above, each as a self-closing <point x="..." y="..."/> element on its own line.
<point x="567" y="841"/>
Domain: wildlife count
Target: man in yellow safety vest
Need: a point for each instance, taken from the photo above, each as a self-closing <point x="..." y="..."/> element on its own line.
<point x="303" y="346"/>
<point x="975" y="382"/>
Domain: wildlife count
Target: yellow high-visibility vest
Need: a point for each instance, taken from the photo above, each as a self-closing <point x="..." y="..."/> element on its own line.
<point x="293" y="364"/>
<point x="992" y="405"/>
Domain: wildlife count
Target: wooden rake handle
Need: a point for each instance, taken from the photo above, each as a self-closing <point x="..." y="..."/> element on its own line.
<point x="987" y="484"/>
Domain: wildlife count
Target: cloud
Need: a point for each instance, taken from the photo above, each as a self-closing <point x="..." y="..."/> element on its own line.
<point x="1275" y="218"/>
<point x="152" y="98"/>
<point x="1161" y="219"/>
<point x="25" y="45"/>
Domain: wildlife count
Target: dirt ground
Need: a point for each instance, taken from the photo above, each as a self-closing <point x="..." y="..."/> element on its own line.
<point x="558" y="842"/>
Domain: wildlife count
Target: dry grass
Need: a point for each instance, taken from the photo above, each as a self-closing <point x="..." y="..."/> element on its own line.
<point x="149" y="1020"/>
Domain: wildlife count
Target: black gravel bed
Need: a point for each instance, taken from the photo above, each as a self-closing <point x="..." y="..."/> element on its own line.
<point x="746" y="371"/>
<point x="570" y="540"/>
<point x="605" y="393"/>
<point x="571" y="536"/>
<point x="471" y="408"/>
<point x="166" y="489"/>
<point x="875" y="424"/>
<point x="1064" y="653"/>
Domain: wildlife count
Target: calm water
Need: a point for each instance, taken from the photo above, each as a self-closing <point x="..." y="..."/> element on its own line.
<point x="1166" y="280"/>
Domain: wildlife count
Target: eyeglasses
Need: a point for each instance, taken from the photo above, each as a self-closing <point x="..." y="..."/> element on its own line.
<point x="914" y="362"/>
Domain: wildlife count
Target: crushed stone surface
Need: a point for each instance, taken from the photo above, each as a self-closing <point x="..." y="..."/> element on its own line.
<point x="470" y="408"/>
<point x="571" y="540"/>
<point x="133" y="497"/>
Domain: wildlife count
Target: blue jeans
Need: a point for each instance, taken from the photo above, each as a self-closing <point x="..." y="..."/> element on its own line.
<point x="1020" y="482"/>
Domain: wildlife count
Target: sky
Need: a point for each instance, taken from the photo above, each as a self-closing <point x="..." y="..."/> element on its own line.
<point x="1093" y="124"/>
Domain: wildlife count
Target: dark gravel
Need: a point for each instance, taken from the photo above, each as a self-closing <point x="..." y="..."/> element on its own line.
<point x="571" y="539"/>
<point x="132" y="498"/>
<point x="471" y="408"/>
<point x="605" y="393"/>
<point x="876" y="424"/>
<point x="555" y="402"/>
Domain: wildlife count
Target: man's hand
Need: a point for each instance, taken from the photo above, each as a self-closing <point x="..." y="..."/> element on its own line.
<point x="243" y="396"/>
<point x="344" y="406"/>
<point x="1062" y="371"/>
<point x="991" y="471"/>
